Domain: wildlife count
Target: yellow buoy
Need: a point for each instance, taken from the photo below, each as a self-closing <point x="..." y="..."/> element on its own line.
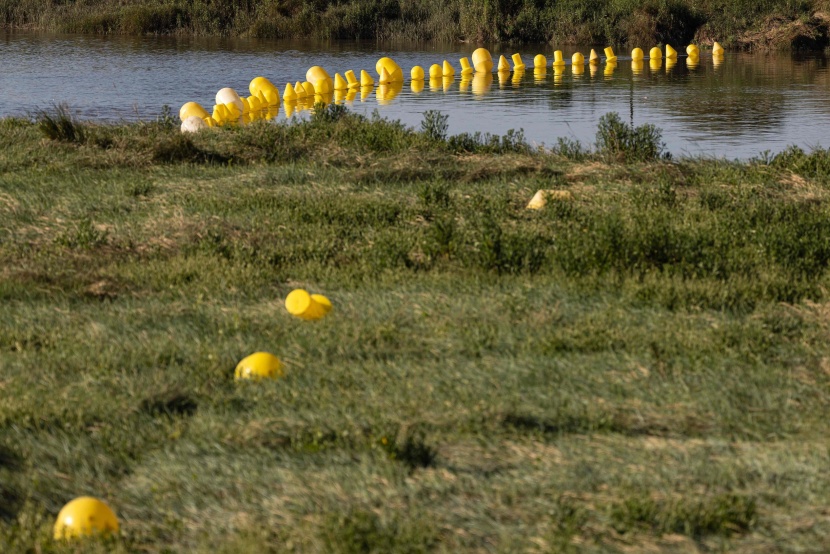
<point x="466" y="68"/>
<point x="518" y="63"/>
<point x="540" y="199"/>
<point x="593" y="58"/>
<point x="384" y="78"/>
<point x="259" y="365"/>
<point x="261" y="85"/>
<point x="435" y="71"/>
<point x="351" y="79"/>
<point x="577" y="59"/>
<point x="417" y="74"/>
<point x="234" y="111"/>
<point x="289" y="94"/>
<point x="366" y="79"/>
<point x="692" y="50"/>
<point x="671" y="53"/>
<point x="503" y="65"/>
<point x="655" y="53"/>
<point x="340" y="83"/>
<point x="193" y="124"/>
<point x="637" y="54"/>
<point x="558" y="59"/>
<point x="300" y="90"/>
<point x="190" y="109"/>
<point x="319" y="79"/>
<point x="299" y="302"/>
<point x="540" y="61"/>
<point x="417" y="85"/>
<point x="609" y="55"/>
<point x="324" y="302"/>
<point x="482" y="61"/>
<point x="717" y="49"/>
<point x="394" y="70"/>
<point x="309" y="88"/>
<point x="85" y="516"/>
<point x="447" y="70"/>
<point x="246" y="107"/>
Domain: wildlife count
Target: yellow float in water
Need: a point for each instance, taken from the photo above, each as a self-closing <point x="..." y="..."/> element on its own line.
<point x="259" y="365"/>
<point x="593" y="58"/>
<point x="261" y="85"/>
<point x="435" y="71"/>
<point x="717" y="49"/>
<point x="320" y="80"/>
<point x="417" y="74"/>
<point x="503" y="65"/>
<point x="609" y="55"/>
<point x="578" y="59"/>
<point x="289" y="94"/>
<point x="366" y="79"/>
<point x="518" y="63"/>
<point x="190" y="109"/>
<point x="447" y="70"/>
<point x="384" y="78"/>
<point x="558" y="59"/>
<point x="351" y="79"/>
<point x="482" y="61"/>
<point x="692" y="50"/>
<point x="394" y="70"/>
<point x="540" y="61"/>
<point x="671" y="53"/>
<point x="83" y="517"/>
<point x="466" y="68"/>
<point x="309" y="88"/>
<point x="300" y="90"/>
<point x="637" y="54"/>
<point x="300" y="303"/>
<point x="340" y="83"/>
<point x="655" y="53"/>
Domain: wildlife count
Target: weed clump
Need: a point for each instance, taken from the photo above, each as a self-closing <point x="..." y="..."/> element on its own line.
<point x="61" y="125"/>
<point x="362" y="532"/>
<point x="618" y="141"/>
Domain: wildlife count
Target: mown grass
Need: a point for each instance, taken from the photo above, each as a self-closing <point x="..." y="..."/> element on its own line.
<point x="644" y="366"/>
<point x="735" y="23"/>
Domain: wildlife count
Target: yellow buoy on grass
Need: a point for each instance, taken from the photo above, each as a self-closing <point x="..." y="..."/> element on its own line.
<point x="259" y="365"/>
<point x="300" y="303"/>
<point x="85" y="516"/>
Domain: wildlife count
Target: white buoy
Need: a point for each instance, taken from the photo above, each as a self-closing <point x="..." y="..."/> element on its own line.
<point x="193" y="124"/>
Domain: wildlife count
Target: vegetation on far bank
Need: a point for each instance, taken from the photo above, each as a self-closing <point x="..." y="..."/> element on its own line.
<point x="734" y="23"/>
<point x="641" y="366"/>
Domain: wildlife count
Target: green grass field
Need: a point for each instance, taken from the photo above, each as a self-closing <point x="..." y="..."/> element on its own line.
<point x="643" y="368"/>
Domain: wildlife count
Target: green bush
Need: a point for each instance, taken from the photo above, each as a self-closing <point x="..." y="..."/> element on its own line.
<point x="618" y="141"/>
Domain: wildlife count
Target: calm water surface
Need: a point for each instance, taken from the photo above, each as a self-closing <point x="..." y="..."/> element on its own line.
<point x="746" y="105"/>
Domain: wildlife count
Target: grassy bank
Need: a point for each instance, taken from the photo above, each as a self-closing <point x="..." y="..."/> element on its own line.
<point x="643" y="366"/>
<point x="735" y="23"/>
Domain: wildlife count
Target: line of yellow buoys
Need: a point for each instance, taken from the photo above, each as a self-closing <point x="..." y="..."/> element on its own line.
<point x="264" y="100"/>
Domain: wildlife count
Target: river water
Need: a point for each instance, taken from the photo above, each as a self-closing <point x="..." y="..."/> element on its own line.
<point x="748" y="104"/>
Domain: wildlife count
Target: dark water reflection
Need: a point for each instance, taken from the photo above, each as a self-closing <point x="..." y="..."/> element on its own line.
<point x="747" y="104"/>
